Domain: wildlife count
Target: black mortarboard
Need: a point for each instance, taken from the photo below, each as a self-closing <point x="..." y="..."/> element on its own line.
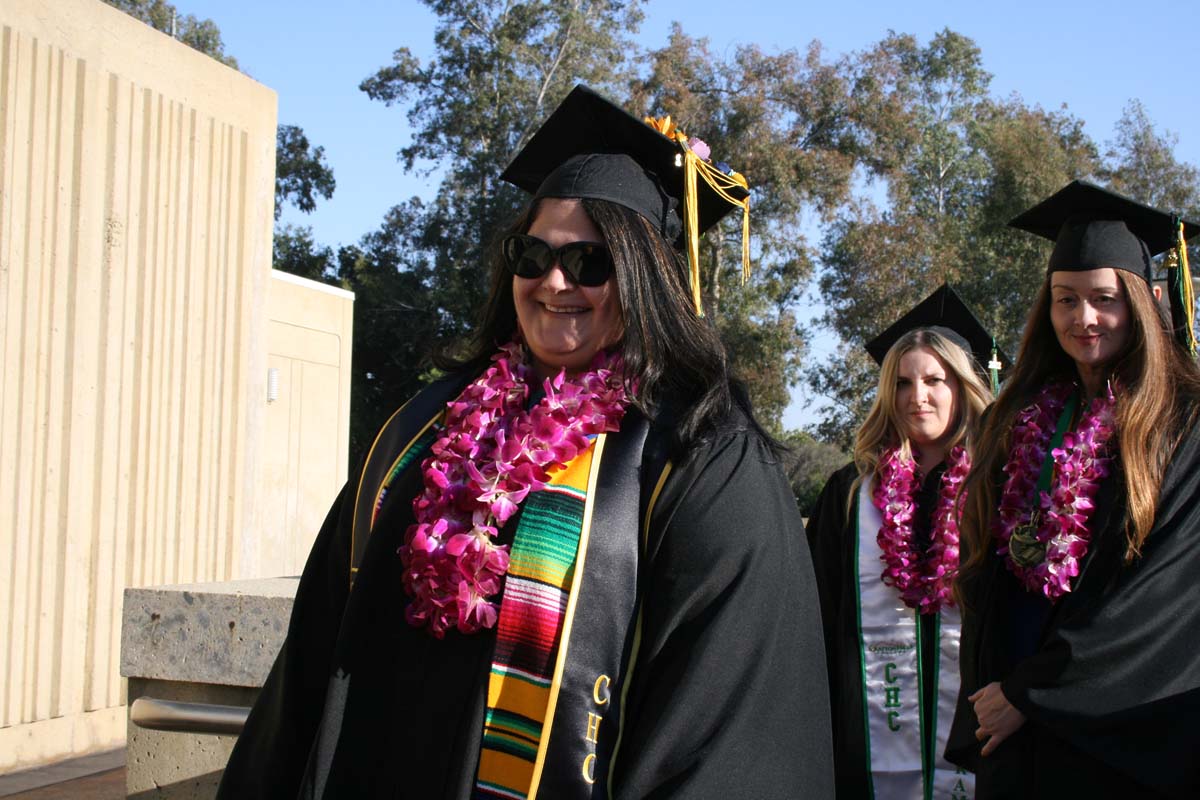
<point x="591" y="148"/>
<point x="1093" y="228"/>
<point x="945" y="312"/>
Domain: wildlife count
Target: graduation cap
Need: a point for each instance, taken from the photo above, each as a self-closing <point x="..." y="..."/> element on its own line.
<point x="1094" y="228"/>
<point x="592" y="148"/>
<point x="946" y="313"/>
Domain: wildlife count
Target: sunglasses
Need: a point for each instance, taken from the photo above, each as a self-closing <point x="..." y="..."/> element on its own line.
<point x="586" y="263"/>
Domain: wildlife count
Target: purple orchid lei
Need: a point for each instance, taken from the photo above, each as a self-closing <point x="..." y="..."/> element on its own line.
<point x="490" y="455"/>
<point x="924" y="583"/>
<point x="1043" y="549"/>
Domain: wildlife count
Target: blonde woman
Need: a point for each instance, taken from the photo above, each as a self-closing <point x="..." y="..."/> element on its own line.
<point x="1081" y="530"/>
<point x="885" y="546"/>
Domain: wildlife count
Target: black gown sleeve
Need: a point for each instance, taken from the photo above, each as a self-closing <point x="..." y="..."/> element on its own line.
<point x="272" y="750"/>
<point x="728" y="695"/>
<point x="827" y="532"/>
<point x="830" y="531"/>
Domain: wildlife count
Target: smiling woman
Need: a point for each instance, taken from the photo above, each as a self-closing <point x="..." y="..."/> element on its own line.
<point x="564" y="553"/>
<point x="564" y="322"/>
<point x="1080" y="528"/>
<point x="1091" y="321"/>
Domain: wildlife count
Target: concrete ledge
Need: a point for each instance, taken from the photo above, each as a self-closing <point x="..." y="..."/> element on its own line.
<point x="213" y="633"/>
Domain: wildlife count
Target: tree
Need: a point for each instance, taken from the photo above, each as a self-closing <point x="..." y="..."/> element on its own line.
<point x="809" y="463"/>
<point x="295" y="251"/>
<point x="957" y="165"/>
<point x="780" y="119"/>
<point x="301" y="173"/>
<point x="1141" y="163"/>
<point x="914" y="112"/>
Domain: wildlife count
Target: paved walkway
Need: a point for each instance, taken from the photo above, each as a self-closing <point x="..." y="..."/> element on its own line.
<point x="100" y="776"/>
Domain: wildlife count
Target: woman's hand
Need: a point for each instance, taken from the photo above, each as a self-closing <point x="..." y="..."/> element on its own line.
<point x="998" y="718"/>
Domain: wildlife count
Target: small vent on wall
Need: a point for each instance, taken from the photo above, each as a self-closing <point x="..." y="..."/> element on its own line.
<point x="272" y="384"/>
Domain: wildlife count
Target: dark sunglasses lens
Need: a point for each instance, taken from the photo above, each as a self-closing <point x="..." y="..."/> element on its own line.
<point x="526" y="256"/>
<point x="588" y="264"/>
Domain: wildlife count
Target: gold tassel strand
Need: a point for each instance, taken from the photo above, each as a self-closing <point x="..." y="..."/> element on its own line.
<point x="1187" y="292"/>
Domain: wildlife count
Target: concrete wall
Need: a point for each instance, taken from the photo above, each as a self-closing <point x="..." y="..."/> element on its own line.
<point x="307" y="431"/>
<point x="137" y="322"/>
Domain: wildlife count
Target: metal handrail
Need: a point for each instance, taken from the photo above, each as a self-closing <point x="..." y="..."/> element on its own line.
<point x="173" y="715"/>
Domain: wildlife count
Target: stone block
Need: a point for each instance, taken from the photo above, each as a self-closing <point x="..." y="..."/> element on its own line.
<point x="196" y="643"/>
<point x="213" y="633"/>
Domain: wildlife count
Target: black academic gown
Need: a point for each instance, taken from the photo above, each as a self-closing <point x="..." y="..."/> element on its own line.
<point x="1108" y="677"/>
<point x="726" y="696"/>
<point x="831" y="533"/>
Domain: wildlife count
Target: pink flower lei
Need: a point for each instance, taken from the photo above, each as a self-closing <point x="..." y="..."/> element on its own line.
<point x="1044" y="535"/>
<point x="490" y="455"/>
<point x="923" y="582"/>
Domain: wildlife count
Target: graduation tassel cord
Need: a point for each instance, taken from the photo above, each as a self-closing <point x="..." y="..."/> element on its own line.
<point x="1179" y="288"/>
<point x="994" y="368"/>
<point x="720" y="183"/>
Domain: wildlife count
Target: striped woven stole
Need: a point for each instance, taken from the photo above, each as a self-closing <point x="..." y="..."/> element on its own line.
<point x="540" y="572"/>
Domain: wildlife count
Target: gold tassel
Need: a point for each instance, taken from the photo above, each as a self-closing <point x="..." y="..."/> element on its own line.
<point x="1189" y="301"/>
<point x="692" y="224"/>
<point x="720" y="183"/>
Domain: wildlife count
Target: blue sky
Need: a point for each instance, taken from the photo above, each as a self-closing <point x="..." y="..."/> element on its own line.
<point x="1091" y="56"/>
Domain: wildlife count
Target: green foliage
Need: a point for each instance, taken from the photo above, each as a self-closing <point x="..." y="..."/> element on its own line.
<point x="199" y="34"/>
<point x="301" y="173"/>
<point x="1141" y="163"/>
<point x="809" y="462"/>
<point x="957" y="164"/>
<point x="295" y="251"/>
<point x="780" y="120"/>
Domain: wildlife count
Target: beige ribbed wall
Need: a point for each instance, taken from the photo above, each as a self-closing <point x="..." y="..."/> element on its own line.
<point x="307" y="430"/>
<point x="136" y="185"/>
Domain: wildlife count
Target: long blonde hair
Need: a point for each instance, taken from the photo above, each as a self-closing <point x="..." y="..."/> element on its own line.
<point x="882" y="428"/>
<point x="1156" y="388"/>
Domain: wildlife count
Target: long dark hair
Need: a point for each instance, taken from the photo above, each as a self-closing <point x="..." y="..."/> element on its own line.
<point x="674" y="358"/>
<point x="1157" y="392"/>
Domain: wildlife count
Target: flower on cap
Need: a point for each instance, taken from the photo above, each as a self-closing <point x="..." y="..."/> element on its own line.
<point x="663" y="125"/>
<point x="699" y="148"/>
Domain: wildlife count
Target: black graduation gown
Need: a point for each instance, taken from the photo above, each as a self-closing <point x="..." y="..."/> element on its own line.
<point x="1111" y="690"/>
<point x="831" y="533"/>
<point x="727" y="696"/>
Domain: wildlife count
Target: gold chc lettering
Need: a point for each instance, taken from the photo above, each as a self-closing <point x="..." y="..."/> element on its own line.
<point x="589" y="768"/>
<point x="593" y="728"/>
<point x="600" y="690"/>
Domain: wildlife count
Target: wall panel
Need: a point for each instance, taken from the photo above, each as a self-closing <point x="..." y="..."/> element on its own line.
<point x="136" y="188"/>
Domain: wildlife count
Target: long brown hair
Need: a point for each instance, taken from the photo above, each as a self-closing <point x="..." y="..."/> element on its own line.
<point x="882" y="427"/>
<point x="1156" y="388"/>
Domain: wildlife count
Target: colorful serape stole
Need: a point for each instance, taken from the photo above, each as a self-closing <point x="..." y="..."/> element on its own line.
<point x="541" y="569"/>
